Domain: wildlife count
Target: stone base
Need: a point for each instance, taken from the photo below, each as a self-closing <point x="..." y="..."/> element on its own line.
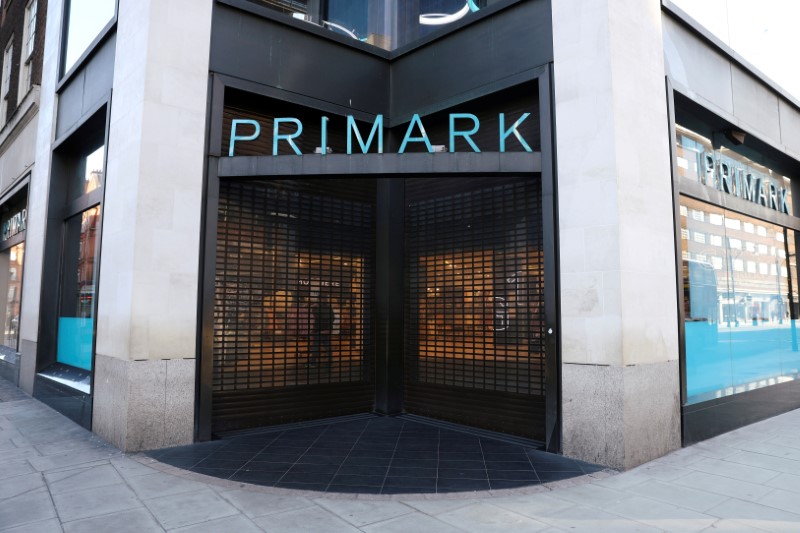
<point x="143" y="405"/>
<point x="620" y="416"/>
<point x="27" y="365"/>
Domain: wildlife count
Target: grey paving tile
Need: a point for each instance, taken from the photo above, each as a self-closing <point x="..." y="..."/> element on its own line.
<point x="484" y="517"/>
<point x="179" y="510"/>
<point x="82" y="478"/>
<point x="15" y="468"/>
<point x="51" y="525"/>
<point x="679" y="495"/>
<point x="782" y="499"/>
<point x="662" y="516"/>
<point x="255" y="504"/>
<point x="715" y="449"/>
<point x="768" y="448"/>
<point x="725" y="525"/>
<point x="590" y="495"/>
<point x="734" y="470"/>
<point x="725" y="486"/>
<point x="132" y="521"/>
<point x="580" y="519"/>
<point x="55" y="462"/>
<point x="128" y="467"/>
<point x="312" y="519"/>
<point x="94" y="502"/>
<point x="17" y="454"/>
<point x="786" y="482"/>
<point x="234" y="524"/>
<point x="758" y="516"/>
<point x="662" y="472"/>
<point x="437" y="506"/>
<point x="535" y="505"/>
<point x="768" y="462"/>
<point x="364" y="512"/>
<point x="26" y="508"/>
<point x="411" y="523"/>
<point x="90" y="442"/>
<point x="160" y="484"/>
<point x="20" y="485"/>
<point x="682" y="458"/>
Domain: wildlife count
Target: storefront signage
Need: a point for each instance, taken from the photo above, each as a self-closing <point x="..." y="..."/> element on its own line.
<point x="724" y="175"/>
<point x="15" y="224"/>
<point x="463" y="125"/>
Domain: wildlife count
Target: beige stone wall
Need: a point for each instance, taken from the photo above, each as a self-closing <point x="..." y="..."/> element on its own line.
<point x="148" y="293"/>
<point x="618" y="295"/>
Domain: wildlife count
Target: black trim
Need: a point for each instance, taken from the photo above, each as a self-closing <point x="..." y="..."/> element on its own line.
<point x="94" y="46"/>
<point x="708" y="419"/>
<point x="552" y="269"/>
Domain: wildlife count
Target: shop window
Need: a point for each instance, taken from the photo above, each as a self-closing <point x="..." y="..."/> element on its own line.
<point x="84" y="22"/>
<point x="740" y="312"/>
<point x="387" y="25"/>
<point x="11" y="261"/>
<point x="76" y="316"/>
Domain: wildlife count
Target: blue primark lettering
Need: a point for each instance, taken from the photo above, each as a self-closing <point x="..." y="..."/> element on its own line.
<point x="407" y="139"/>
<point x="234" y="137"/>
<point x="466" y="134"/>
<point x="376" y="134"/>
<point x="504" y="133"/>
<point x="288" y="137"/>
<point x="377" y="129"/>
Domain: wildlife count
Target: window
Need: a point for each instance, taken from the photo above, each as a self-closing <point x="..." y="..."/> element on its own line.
<point x="28" y="46"/>
<point x="5" y="84"/>
<point x="85" y="20"/>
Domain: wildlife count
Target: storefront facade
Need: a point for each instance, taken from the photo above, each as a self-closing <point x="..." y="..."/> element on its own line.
<point x="498" y="214"/>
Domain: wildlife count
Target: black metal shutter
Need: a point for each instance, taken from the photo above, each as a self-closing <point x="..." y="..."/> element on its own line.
<point x="282" y="246"/>
<point x="474" y="303"/>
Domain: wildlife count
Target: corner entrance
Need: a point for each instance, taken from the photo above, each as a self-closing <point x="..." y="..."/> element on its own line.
<point x="294" y="311"/>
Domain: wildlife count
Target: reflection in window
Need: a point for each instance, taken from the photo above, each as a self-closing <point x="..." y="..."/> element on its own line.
<point x="387" y="25"/>
<point x="12" y="263"/>
<point x="85" y="20"/>
<point x="76" y="316"/>
<point x="740" y="308"/>
<point x="88" y="176"/>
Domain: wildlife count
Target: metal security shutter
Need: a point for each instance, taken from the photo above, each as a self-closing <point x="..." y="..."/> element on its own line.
<point x="474" y="303"/>
<point x="283" y="247"/>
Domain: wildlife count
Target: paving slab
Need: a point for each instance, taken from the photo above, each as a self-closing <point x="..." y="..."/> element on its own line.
<point x="131" y="521"/>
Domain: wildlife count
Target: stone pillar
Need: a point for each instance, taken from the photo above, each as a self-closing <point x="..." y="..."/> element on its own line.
<point x="620" y="374"/>
<point x="148" y="293"/>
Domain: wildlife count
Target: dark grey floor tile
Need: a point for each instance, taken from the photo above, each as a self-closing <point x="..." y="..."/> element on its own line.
<point x="529" y="475"/>
<point x="558" y="467"/>
<point x="214" y="472"/>
<point x="460" y="473"/>
<point x="222" y="463"/>
<point x="460" y="456"/>
<point x="361" y="470"/>
<point x="389" y="489"/>
<point x="307" y="477"/>
<point x="509" y="465"/>
<point x="318" y="487"/>
<point x="374" y="481"/>
<point x="367" y="461"/>
<point x="354" y="489"/>
<point x="322" y="460"/>
<point x="269" y="457"/>
<point x="414" y="463"/>
<point x="415" y="482"/>
<point x="500" y="484"/>
<point x="302" y="468"/>
<point x="256" y="477"/>
<point x="386" y="454"/>
<point x="467" y="465"/>
<point x="401" y="453"/>
<point x="412" y="472"/>
<point x="462" y="484"/>
<point x="268" y="467"/>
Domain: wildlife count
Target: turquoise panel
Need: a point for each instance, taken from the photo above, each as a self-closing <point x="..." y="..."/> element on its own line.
<point x="75" y="342"/>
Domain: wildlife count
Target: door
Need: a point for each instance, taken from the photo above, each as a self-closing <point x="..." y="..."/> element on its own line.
<point x="293" y="301"/>
<point x="474" y="303"/>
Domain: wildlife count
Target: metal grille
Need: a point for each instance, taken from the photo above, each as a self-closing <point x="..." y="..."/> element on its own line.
<point x="293" y="298"/>
<point x="475" y="324"/>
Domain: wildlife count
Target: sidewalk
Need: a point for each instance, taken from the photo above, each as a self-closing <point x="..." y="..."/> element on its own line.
<point x="56" y="476"/>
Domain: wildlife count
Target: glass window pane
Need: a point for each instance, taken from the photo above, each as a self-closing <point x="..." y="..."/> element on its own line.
<point x="85" y="20"/>
<point x="740" y="307"/>
<point x="88" y="175"/>
<point x="76" y="317"/>
<point x="12" y="260"/>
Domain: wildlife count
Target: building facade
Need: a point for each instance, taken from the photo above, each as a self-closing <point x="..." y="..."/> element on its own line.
<point x="570" y="223"/>
<point x="22" y="29"/>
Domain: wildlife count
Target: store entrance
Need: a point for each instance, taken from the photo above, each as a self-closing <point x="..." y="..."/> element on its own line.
<point x="292" y="314"/>
<point x="295" y="321"/>
<point x="475" y="314"/>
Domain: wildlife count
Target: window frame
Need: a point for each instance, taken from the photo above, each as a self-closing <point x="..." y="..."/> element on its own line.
<point x="66" y="74"/>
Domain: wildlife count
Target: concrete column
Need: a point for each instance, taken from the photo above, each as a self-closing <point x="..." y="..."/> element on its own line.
<point x="148" y="296"/>
<point x="620" y="376"/>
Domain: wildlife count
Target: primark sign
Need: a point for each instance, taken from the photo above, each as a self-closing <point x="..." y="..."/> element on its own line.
<point x="727" y="176"/>
<point x="461" y="125"/>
